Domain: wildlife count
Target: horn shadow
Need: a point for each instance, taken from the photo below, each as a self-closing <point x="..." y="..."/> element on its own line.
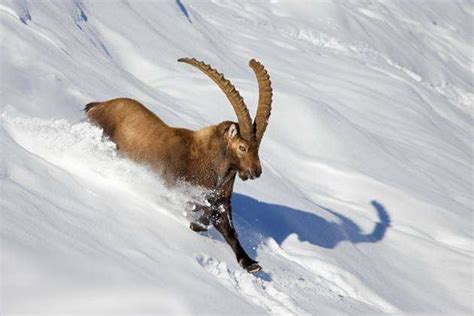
<point x="255" y="218"/>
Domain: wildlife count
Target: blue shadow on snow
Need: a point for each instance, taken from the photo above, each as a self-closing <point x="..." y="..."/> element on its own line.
<point x="183" y="10"/>
<point x="278" y="222"/>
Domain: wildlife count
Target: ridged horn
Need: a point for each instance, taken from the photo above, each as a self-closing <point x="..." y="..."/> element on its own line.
<point x="265" y="93"/>
<point x="237" y="102"/>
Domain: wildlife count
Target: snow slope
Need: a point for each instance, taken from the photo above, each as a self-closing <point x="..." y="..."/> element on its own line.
<point x="365" y="203"/>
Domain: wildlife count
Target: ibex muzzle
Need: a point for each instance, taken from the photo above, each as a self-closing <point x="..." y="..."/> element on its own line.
<point x="210" y="157"/>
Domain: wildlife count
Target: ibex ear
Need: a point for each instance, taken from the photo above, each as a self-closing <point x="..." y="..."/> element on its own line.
<point x="232" y="132"/>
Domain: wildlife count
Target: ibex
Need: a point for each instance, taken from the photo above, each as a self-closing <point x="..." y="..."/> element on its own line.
<point x="210" y="157"/>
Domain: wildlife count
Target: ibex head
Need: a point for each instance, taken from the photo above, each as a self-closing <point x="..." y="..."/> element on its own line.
<point x="243" y="154"/>
<point x="243" y="139"/>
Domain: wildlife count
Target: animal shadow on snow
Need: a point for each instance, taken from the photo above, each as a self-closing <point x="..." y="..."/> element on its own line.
<point x="278" y="222"/>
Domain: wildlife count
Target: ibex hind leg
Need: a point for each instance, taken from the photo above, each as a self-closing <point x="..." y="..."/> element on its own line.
<point x="202" y="223"/>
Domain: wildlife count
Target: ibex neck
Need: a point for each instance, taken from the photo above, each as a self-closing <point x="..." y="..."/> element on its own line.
<point x="211" y="157"/>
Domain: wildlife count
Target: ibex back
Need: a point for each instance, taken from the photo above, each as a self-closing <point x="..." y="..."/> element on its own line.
<point x="210" y="157"/>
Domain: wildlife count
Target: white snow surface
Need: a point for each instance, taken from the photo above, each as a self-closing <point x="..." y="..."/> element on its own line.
<point x="366" y="199"/>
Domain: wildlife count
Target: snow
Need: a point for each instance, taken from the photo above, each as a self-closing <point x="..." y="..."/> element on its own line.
<point x="365" y="202"/>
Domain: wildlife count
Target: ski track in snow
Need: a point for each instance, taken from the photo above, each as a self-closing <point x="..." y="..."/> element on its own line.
<point x="365" y="203"/>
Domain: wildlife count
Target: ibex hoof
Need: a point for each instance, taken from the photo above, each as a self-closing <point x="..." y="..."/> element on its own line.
<point x="253" y="268"/>
<point x="250" y="265"/>
<point x="198" y="227"/>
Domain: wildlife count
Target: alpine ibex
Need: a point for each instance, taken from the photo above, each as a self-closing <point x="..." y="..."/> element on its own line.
<point x="210" y="157"/>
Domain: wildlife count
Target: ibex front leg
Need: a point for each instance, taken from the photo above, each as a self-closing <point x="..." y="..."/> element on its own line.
<point x="221" y="219"/>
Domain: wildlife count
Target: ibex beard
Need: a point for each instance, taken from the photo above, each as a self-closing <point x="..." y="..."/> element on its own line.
<point x="210" y="157"/>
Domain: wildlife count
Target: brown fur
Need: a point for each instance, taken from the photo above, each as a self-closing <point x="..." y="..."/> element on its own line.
<point x="210" y="157"/>
<point x="204" y="157"/>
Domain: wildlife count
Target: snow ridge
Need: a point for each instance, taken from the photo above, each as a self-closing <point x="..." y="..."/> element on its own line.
<point x="365" y="202"/>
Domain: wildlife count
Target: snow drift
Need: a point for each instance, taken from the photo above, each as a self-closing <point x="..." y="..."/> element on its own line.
<point x="365" y="202"/>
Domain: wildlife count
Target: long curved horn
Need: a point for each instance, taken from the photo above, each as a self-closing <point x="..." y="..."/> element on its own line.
<point x="264" y="99"/>
<point x="243" y="116"/>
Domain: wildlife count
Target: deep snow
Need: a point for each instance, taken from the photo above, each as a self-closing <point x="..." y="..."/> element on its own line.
<point x="365" y="203"/>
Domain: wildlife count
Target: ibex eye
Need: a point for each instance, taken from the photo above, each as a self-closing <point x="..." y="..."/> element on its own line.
<point x="242" y="148"/>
